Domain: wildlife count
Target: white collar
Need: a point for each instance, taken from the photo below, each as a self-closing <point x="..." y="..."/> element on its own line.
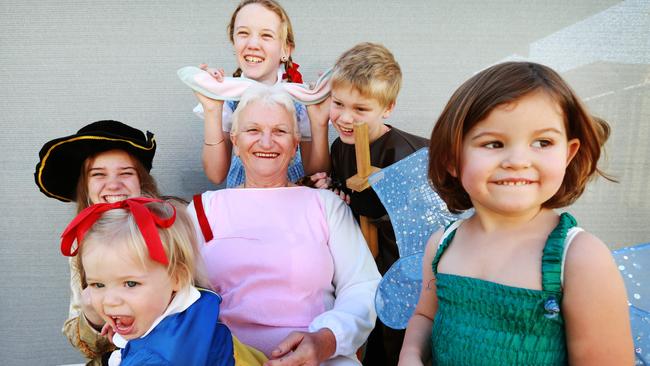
<point x="182" y="300"/>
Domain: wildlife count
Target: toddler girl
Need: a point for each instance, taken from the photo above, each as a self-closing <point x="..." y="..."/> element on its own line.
<point x="517" y="283"/>
<point x="140" y="260"/>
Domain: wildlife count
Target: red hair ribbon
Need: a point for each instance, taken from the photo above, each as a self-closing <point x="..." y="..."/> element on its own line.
<point x="144" y="218"/>
<point x="292" y="74"/>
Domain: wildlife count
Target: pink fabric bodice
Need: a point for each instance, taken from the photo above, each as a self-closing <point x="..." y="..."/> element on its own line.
<point x="270" y="261"/>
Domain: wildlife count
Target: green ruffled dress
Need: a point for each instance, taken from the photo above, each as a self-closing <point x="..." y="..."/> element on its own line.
<point x="485" y="323"/>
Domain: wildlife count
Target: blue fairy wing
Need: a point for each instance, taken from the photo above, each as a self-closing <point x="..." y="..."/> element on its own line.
<point x="416" y="211"/>
<point x="414" y="208"/>
<point x="634" y="264"/>
<point x="399" y="290"/>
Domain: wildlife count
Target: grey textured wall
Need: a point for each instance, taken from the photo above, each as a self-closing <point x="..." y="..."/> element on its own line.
<point x="66" y="63"/>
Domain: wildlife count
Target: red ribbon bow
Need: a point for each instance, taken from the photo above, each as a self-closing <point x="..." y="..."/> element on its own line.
<point x="144" y="218"/>
<point x="292" y="74"/>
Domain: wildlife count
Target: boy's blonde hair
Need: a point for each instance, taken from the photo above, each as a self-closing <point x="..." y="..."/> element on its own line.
<point x="179" y="241"/>
<point x="371" y="69"/>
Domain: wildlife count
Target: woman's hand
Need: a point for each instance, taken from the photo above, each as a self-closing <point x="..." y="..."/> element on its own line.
<point x="304" y="348"/>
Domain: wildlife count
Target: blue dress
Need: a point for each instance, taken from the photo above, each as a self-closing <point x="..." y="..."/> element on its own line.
<point x="192" y="337"/>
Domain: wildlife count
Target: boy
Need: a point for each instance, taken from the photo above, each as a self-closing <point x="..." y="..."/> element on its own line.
<point x="365" y="83"/>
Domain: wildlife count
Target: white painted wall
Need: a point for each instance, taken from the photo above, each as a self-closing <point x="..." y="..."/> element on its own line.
<point x="66" y="63"/>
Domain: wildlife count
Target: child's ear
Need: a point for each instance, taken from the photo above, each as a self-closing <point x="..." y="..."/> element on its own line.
<point x="177" y="282"/>
<point x="286" y="51"/>
<point x="388" y="110"/>
<point x="573" y="146"/>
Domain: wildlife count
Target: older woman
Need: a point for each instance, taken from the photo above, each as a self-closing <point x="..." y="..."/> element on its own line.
<point x="296" y="276"/>
<point x="105" y="161"/>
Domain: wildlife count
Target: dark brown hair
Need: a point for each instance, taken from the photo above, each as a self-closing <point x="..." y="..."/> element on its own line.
<point x="286" y="30"/>
<point x="505" y="83"/>
<point x="148" y="186"/>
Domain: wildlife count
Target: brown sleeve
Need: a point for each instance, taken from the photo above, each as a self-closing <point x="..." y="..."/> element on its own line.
<point x="85" y="338"/>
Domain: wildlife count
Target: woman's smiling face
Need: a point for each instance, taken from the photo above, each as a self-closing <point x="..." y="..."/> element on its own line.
<point x="266" y="142"/>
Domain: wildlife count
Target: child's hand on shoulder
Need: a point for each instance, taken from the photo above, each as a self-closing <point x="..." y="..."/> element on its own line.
<point x="344" y="196"/>
<point x="320" y="180"/>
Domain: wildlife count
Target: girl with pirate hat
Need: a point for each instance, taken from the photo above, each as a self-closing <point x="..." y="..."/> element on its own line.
<point x="104" y="162"/>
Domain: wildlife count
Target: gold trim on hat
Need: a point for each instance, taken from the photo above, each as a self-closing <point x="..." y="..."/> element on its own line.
<point x="40" y="171"/>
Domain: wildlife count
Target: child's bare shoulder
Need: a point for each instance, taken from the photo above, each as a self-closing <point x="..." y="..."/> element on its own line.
<point x="587" y="250"/>
<point x="433" y="244"/>
<point x="588" y="259"/>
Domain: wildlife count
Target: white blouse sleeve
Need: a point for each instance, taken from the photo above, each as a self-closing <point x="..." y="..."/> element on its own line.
<point x="355" y="279"/>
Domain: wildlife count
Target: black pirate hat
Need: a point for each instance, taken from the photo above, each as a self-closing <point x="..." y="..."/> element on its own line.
<point x="61" y="159"/>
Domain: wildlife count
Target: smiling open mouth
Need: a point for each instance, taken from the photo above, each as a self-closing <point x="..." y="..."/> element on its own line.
<point x="115" y="198"/>
<point x="345" y="130"/>
<point x="253" y="59"/>
<point x="513" y="182"/>
<point x="266" y="155"/>
<point x="123" y="324"/>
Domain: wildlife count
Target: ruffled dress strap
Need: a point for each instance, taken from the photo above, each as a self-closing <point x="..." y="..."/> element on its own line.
<point x="553" y="254"/>
<point x="445" y="240"/>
